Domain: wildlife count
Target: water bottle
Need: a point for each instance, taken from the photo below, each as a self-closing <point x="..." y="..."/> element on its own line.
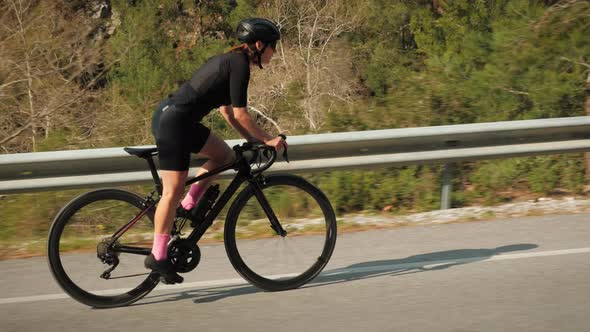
<point x="204" y="205"/>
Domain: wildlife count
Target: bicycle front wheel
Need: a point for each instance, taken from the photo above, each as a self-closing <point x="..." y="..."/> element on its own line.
<point x="270" y="261"/>
<point x="81" y="250"/>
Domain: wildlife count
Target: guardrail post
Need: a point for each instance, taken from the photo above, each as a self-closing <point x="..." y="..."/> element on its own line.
<point x="447" y="187"/>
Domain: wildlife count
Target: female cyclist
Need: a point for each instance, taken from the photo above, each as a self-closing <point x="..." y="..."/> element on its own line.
<point x="222" y="82"/>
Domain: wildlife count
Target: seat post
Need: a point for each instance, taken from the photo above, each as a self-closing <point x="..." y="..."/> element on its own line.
<point x="155" y="175"/>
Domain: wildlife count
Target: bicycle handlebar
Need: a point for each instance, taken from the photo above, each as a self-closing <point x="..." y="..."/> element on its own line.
<point x="251" y="151"/>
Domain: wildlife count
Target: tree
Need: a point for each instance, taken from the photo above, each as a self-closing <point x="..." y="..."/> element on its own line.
<point x="50" y="67"/>
<point x="311" y="57"/>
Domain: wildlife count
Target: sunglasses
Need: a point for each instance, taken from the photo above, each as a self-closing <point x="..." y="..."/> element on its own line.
<point x="273" y="45"/>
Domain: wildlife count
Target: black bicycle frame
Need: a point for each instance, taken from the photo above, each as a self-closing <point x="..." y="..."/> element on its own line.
<point x="243" y="174"/>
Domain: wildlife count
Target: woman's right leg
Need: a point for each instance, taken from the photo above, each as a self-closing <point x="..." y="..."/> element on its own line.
<point x="173" y="183"/>
<point x="170" y="127"/>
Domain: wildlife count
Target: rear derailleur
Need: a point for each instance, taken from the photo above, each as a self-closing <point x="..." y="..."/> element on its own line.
<point x="104" y="251"/>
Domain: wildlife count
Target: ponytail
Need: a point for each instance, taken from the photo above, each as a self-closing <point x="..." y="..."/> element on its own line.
<point x="246" y="49"/>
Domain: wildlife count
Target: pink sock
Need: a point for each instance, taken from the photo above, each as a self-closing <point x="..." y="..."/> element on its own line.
<point x="193" y="196"/>
<point x="160" y="247"/>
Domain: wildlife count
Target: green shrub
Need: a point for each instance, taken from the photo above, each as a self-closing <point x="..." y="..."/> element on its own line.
<point x="492" y="177"/>
<point x="543" y="174"/>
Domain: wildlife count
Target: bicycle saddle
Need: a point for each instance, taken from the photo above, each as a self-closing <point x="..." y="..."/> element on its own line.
<point x="142" y="152"/>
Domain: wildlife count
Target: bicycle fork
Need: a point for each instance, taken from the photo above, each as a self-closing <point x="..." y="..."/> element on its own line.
<point x="274" y="221"/>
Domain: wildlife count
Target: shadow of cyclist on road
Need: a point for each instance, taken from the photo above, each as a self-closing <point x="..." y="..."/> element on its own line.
<point x="418" y="263"/>
<point x="433" y="261"/>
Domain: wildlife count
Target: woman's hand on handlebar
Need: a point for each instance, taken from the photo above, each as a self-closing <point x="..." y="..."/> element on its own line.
<point x="278" y="143"/>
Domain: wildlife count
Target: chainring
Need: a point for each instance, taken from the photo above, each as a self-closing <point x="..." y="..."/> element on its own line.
<point x="184" y="255"/>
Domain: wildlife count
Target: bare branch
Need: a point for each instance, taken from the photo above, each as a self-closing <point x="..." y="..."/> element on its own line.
<point x="587" y="65"/>
<point x="515" y="92"/>
<point x="15" y="134"/>
<point x="266" y="117"/>
<point x="11" y="83"/>
<point x="345" y="99"/>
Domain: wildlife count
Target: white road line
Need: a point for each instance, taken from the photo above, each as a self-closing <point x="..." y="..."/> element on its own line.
<point x="378" y="268"/>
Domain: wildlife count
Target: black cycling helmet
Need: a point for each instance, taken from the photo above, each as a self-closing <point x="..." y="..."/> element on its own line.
<point x="251" y="30"/>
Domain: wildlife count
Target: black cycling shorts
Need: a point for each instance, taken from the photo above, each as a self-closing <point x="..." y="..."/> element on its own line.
<point x="177" y="135"/>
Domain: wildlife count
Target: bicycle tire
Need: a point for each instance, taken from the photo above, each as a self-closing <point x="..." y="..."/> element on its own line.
<point x="55" y="259"/>
<point x="293" y="281"/>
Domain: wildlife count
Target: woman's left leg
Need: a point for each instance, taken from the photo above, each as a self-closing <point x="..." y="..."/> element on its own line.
<point x="219" y="154"/>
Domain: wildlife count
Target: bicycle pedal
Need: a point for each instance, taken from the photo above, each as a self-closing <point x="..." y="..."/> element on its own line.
<point x="171" y="279"/>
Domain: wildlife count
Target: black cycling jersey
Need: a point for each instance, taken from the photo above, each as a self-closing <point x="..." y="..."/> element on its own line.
<point x="222" y="80"/>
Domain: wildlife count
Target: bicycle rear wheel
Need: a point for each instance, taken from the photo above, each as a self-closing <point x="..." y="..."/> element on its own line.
<point x="270" y="261"/>
<point x="78" y="247"/>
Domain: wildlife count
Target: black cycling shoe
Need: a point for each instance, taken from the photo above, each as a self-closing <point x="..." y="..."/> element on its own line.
<point x="164" y="268"/>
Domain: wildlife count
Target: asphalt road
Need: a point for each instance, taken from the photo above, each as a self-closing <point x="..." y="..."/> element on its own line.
<point x="525" y="274"/>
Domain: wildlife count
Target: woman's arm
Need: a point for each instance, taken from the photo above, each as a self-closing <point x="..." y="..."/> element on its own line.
<point x="245" y="120"/>
<point x="239" y="119"/>
<point x="228" y="114"/>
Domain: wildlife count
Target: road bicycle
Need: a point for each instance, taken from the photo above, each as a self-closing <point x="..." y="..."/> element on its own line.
<point x="279" y="232"/>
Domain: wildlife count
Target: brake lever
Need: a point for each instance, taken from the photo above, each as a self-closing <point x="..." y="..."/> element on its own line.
<point x="285" y="155"/>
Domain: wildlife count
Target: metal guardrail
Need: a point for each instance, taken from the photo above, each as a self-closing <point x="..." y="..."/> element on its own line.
<point x="32" y="172"/>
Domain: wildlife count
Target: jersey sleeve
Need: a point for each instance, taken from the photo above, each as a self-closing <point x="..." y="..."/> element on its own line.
<point x="239" y="77"/>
